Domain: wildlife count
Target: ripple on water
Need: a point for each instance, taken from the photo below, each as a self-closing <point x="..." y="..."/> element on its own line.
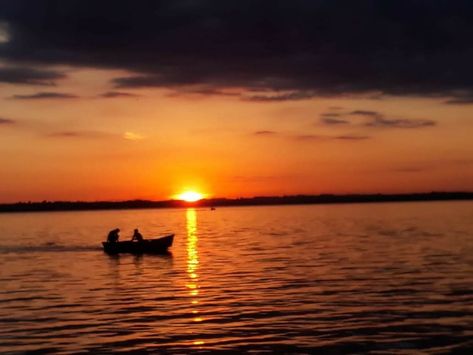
<point x="388" y="278"/>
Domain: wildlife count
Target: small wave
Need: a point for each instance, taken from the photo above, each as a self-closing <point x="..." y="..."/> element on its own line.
<point x="47" y="247"/>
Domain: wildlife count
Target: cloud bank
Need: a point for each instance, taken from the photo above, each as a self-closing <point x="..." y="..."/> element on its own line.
<point x="373" y="119"/>
<point x="44" y="96"/>
<point x="29" y="76"/>
<point x="278" y="50"/>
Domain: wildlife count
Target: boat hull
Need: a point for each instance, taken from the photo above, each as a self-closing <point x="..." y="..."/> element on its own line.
<point x="147" y="246"/>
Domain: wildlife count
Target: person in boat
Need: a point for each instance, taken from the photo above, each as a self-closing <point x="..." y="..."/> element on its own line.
<point x="137" y="236"/>
<point x="113" y="236"/>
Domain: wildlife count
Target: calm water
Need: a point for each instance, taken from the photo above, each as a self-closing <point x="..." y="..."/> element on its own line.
<point x="378" y="278"/>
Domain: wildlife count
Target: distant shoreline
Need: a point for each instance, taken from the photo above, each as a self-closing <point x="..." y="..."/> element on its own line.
<point x="46" y="206"/>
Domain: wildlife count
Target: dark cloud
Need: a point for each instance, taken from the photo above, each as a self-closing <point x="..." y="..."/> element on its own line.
<point x="334" y="121"/>
<point x="461" y="100"/>
<point x="334" y="118"/>
<point x="399" y="123"/>
<point x="114" y="94"/>
<point x="289" y="96"/>
<point x="141" y="81"/>
<point x="352" y="137"/>
<point x="20" y="75"/>
<point x="313" y="137"/>
<point x="205" y="91"/>
<point x="365" y="113"/>
<point x="6" y="121"/>
<point x="44" y="96"/>
<point x="308" y="47"/>
<point x="374" y="119"/>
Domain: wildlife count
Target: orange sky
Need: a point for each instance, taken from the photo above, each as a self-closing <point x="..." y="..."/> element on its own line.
<point x="144" y="100"/>
<point x="159" y="142"/>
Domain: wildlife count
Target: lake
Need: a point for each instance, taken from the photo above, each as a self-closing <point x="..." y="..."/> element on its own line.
<point x="387" y="278"/>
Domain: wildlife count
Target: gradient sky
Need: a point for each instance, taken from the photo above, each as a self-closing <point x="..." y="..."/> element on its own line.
<point x="144" y="99"/>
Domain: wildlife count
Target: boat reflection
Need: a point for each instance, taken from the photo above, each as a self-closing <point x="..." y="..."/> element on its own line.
<point x="193" y="262"/>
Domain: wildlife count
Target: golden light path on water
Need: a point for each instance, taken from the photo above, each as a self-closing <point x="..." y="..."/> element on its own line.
<point x="193" y="264"/>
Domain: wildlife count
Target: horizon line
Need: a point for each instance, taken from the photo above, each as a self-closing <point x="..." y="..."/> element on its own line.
<point x="349" y="194"/>
<point x="51" y="206"/>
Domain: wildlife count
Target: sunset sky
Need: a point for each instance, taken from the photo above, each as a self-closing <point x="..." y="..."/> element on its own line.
<point x="103" y="100"/>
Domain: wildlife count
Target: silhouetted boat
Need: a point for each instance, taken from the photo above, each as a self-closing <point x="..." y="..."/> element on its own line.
<point x="150" y="246"/>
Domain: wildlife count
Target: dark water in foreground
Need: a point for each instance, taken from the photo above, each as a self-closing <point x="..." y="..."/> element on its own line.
<point x="380" y="278"/>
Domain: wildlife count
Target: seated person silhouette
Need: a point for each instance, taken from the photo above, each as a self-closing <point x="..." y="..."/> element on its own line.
<point x="137" y="236"/>
<point x="113" y="236"/>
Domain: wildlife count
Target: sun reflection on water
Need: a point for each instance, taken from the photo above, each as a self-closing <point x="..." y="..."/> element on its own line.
<point x="193" y="264"/>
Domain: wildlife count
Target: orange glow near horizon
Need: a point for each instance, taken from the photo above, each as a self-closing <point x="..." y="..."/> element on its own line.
<point x="190" y="196"/>
<point x="213" y="146"/>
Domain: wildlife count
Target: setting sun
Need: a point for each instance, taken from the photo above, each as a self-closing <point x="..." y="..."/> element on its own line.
<point x="190" y="196"/>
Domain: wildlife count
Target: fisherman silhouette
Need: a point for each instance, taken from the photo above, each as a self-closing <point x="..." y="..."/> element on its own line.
<point x="113" y="236"/>
<point x="137" y="236"/>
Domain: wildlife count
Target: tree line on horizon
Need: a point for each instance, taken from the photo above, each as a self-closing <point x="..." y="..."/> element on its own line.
<point x="242" y="201"/>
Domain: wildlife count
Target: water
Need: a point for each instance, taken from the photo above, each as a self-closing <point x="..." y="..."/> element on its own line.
<point x="376" y="278"/>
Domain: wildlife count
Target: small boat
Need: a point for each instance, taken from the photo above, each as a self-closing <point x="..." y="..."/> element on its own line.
<point x="147" y="246"/>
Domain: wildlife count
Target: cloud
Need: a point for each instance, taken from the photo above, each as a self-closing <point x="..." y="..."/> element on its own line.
<point x="365" y="113"/>
<point x="114" y="94"/>
<point x="334" y="121"/>
<point x="78" y="134"/>
<point x="44" y="96"/>
<point x="461" y="100"/>
<point x="307" y="48"/>
<point x="4" y="34"/>
<point x="6" y="121"/>
<point x="307" y="137"/>
<point x="203" y="91"/>
<point x="132" y="136"/>
<point x="289" y="96"/>
<point x="29" y="76"/>
<point x="399" y="123"/>
<point x="312" y="137"/>
<point x="66" y="134"/>
<point x="140" y="81"/>
<point x="264" y="133"/>
<point x="373" y="119"/>
<point x="352" y="138"/>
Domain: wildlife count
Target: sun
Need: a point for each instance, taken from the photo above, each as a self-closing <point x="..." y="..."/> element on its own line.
<point x="190" y="196"/>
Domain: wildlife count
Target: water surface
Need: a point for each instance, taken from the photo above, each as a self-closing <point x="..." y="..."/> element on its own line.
<point x="387" y="278"/>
